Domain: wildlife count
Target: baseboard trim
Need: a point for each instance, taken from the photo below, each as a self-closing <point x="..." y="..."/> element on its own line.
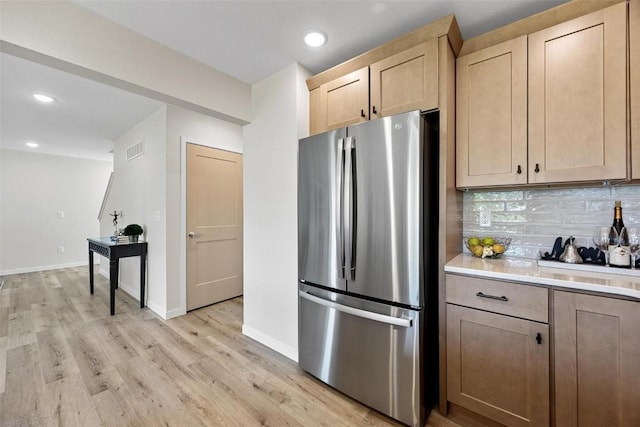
<point x="175" y="313"/>
<point x="273" y="344"/>
<point x="37" y="268"/>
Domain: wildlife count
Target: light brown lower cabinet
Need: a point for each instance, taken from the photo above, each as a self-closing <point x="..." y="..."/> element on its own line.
<point x="498" y="366"/>
<point x="597" y="360"/>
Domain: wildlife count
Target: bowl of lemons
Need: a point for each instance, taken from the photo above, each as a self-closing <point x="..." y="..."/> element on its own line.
<point x="487" y="247"/>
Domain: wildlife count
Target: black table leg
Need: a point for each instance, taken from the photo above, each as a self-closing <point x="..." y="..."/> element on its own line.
<point x="113" y="283"/>
<point x="143" y="269"/>
<point x="91" y="271"/>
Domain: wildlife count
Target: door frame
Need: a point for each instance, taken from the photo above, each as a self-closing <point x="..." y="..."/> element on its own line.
<point x="184" y="140"/>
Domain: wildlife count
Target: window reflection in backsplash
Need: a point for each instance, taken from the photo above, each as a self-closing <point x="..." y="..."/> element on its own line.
<point x="534" y="218"/>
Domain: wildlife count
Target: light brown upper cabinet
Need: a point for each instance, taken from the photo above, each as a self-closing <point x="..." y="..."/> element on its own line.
<point x="491" y="109"/>
<point x="597" y="349"/>
<point x="577" y="99"/>
<point x="549" y="107"/>
<point x="405" y="81"/>
<point x="342" y="102"/>
<point x="634" y="78"/>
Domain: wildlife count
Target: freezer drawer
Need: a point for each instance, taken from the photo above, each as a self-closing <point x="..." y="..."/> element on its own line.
<point x="369" y="351"/>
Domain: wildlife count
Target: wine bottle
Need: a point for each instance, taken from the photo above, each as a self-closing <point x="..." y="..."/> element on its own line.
<point x="619" y="255"/>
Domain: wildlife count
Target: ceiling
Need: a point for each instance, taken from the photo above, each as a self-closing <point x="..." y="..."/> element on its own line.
<point x="84" y="121"/>
<point x="251" y="40"/>
<point x="248" y="40"/>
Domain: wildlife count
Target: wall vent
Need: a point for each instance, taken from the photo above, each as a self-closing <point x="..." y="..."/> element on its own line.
<point x="135" y="150"/>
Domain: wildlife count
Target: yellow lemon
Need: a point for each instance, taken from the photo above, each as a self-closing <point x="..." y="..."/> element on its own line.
<point x="476" y="250"/>
<point x="498" y="248"/>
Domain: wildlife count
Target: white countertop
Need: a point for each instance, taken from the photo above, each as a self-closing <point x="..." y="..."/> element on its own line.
<point x="528" y="271"/>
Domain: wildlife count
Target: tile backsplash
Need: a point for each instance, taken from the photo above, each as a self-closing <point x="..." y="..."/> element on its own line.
<point x="534" y="218"/>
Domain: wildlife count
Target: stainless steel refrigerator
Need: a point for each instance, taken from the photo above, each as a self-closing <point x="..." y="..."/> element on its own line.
<point x="367" y="262"/>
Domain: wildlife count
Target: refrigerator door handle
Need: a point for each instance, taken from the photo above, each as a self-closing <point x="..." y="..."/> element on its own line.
<point x="346" y="207"/>
<point x="340" y="209"/>
<point x="353" y="211"/>
<point x="390" y="320"/>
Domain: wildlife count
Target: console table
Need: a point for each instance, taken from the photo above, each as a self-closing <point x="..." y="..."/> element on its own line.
<point x="114" y="251"/>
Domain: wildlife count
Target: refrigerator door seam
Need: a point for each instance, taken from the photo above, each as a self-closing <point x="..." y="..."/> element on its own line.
<point x="405" y="323"/>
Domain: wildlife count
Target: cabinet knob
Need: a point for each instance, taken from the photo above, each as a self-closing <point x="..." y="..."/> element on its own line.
<point x="537" y="169"/>
<point x="519" y="170"/>
<point x="362" y="113"/>
<point x="374" y="110"/>
<point x="539" y="338"/>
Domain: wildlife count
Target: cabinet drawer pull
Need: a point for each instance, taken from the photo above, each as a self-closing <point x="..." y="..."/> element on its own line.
<point x="537" y="169"/>
<point x="374" y="110"/>
<point x="362" y="113"/>
<point x="539" y="338"/>
<point x="502" y="298"/>
<point x="519" y="170"/>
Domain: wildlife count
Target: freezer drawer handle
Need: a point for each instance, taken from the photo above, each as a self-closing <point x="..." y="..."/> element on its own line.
<point x="502" y="298"/>
<point x="405" y="323"/>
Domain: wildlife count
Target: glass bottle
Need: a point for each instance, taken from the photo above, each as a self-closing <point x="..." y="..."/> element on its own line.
<point x="619" y="254"/>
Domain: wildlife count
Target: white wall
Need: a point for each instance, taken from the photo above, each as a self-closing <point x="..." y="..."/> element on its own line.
<point x="33" y="189"/>
<point x="185" y="125"/>
<point x="270" y="209"/>
<point x="139" y="191"/>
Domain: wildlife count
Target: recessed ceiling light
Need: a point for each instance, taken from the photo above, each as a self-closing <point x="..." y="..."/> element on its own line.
<point x="43" y="98"/>
<point x="315" y="38"/>
<point x="31" y="144"/>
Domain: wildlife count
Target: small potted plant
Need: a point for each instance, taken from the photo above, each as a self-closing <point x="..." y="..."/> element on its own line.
<point x="133" y="231"/>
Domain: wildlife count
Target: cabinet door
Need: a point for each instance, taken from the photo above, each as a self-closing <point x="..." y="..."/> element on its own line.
<point x="491" y="108"/>
<point x="597" y="360"/>
<point x="344" y="101"/>
<point x="634" y="80"/>
<point x="405" y="81"/>
<point x="577" y="99"/>
<point x="496" y="367"/>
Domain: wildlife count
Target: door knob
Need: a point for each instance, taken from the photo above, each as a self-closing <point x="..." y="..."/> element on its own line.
<point x="192" y="234"/>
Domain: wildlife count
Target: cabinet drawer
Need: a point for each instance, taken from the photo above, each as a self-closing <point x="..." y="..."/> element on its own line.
<point x="527" y="302"/>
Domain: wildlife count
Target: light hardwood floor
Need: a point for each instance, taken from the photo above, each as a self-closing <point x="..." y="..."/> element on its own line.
<point x="65" y="362"/>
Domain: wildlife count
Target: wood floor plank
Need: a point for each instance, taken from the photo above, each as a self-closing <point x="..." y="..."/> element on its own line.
<point x="92" y="361"/>
<point x="56" y="358"/>
<point x="196" y="399"/>
<point x="44" y="317"/>
<point x="89" y="308"/>
<point x="173" y="342"/>
<point x="3" y="362"/>
<point x="68" y="404"/>
<point x="240" y="395"/>
<point x="153" y="399"/>
<point x="23" y="403"/>
<point x="115" y="408"/>
<point x="116" y="345"/>
<point x="19" y="299"/>
<point x="4" y="321"/>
